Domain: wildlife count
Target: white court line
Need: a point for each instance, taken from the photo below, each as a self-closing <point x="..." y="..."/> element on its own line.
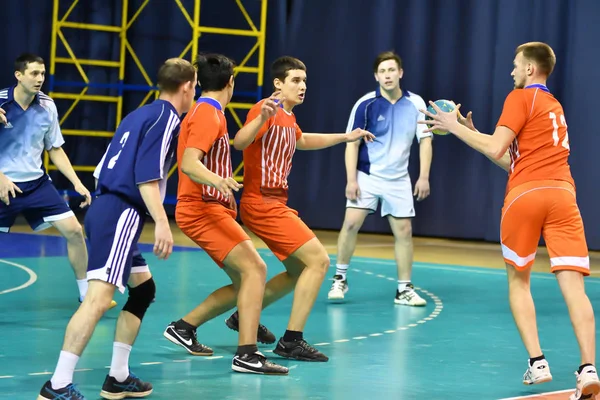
<point x="31" y="281"/>
<point x="533" y="396"/>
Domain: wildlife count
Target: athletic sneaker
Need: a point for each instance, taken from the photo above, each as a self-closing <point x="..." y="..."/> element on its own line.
<point x="131" y="387"/>
<point x="299" y="350"/>
<point x="588" y="384"/>
<point x="264" y="335"/>
<point x="187" y="339"/>
<point x="257" y="363"/>
<point x="539" y="372"/>
<point x="69" y="392"/>
<point x="339" y="288"/>
<point x="409" y="297"/>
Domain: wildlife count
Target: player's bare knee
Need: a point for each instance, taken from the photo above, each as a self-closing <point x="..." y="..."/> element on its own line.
<point x="403" y="231"/>
<point x="321" y="262"/>
<point x="351" y="225"/>
<point x="98" y="298"/>
<point x="256" y="268"/>
<point x="74" y="233"/>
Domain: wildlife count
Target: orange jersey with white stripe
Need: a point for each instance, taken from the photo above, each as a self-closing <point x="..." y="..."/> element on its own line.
<point x="205" y="128"/>
<point x="268" y="160"/>
<point x="540" y="150"/>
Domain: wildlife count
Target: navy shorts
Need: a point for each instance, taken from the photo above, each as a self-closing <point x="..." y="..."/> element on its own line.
<point x="113" y="227"/>
<point x="40" y="203"/>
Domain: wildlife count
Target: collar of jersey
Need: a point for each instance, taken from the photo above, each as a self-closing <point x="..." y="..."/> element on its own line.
<point x="539" y="86"/>
<point x="210" y="101"/>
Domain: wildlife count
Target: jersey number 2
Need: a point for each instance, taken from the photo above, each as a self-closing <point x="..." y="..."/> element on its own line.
<point x="565" y="142"/>
<point x="113" y="159"/>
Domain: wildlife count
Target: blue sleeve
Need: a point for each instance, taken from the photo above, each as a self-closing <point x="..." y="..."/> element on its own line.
<point x="154" y="147"/>
<point x="358" y="117"/>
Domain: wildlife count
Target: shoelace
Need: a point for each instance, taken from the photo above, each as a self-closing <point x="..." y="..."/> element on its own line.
<point x="337" y="285"/>
<point x="307" y="346"/>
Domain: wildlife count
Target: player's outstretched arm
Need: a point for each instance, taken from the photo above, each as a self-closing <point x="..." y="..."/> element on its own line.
<point x="63" y="164"/>
<point x="317" y="141"/>
<point x="492" y="146"/>
<point x="245" y="136"/>
<point x="196" y="171"/>
<point x="163" y="238"/>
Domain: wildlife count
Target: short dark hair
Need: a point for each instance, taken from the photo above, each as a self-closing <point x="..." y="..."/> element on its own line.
<point x="541" y="54"/>
<point x="214" y="71"/>
<point x="282" y="65"/>
<point x="386" y="55"/>
<point x="173" y="73"/>
<point x="25" y="59"/>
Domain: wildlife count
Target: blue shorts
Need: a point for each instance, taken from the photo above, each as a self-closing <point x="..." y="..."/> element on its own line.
<point x="113" y="227"/>
<point x="39" y="203"/>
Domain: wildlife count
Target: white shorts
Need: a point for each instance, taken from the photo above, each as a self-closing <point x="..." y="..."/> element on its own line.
<point x="396" y="196"/>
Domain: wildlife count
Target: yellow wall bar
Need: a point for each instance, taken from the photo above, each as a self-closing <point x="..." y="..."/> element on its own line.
<point x="91" y="27"/>
<point x="97" y="63"/>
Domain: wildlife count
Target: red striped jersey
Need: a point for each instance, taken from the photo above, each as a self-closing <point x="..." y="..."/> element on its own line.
<point x="205" y="128"/>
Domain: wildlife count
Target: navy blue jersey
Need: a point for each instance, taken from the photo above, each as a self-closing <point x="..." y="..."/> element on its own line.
<point x="141" y="151"/>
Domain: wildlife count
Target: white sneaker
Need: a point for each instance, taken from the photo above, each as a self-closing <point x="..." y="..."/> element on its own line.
<point x="408" y="297"/>
<point x="588" y="384"/>
<point x="338" y="289"/>
<point x="539" y="372"/>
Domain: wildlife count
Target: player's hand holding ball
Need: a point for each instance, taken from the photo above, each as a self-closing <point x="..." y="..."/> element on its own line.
<point x="441" y="117"/>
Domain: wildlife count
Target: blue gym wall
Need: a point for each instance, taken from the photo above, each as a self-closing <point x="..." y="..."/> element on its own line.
<point x="457" y="49"/>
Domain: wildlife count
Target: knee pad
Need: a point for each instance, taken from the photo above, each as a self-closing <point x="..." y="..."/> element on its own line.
<point x="140" y="298"/>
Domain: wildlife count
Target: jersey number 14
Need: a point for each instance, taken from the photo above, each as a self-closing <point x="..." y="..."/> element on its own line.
<point x="565" y="142"/>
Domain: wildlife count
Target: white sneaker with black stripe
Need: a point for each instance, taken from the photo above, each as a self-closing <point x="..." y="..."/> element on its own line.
<point x="539" y="372"/>
<point x="409" y="297"/>
<point x="588" y="384"/>
<point x="257" y="363"/>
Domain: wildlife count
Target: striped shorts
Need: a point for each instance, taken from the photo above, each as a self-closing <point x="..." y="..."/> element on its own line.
<point x="113" y="227"/>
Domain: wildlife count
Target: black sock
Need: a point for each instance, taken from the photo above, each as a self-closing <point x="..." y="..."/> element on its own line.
<point x="582" y="366"/>
<point x="181" y="324"/>
<point x="236" y="316"/>
<point x="246" y="349"/>
<point x="534" y="359"/>
<point x="292" y="336"/>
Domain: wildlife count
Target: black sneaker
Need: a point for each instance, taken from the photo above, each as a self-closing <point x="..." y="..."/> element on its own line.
<point x="131" y="387"/>
<point x="69" y="392"/>
<point x="257" y="363"/>
<point x="187" y="339"/>
<point x="299" y="350"/>
<point x="263" y="336"/>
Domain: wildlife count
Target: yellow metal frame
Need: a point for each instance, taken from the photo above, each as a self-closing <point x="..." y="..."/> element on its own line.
<point x="61" y="22"/>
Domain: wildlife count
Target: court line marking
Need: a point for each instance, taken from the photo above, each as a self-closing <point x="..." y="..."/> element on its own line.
<point x="438" y="309"/>
<point x="31" y="281"/>
<point x="533" y="396"/>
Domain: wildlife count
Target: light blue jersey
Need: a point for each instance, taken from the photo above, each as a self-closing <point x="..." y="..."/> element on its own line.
<point x="395" y="128"/>
<point x="28" y="133"/>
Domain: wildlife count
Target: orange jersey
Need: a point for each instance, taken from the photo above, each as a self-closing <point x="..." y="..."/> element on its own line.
<point x="268" y="160"/>
<point x="540" y="150"/>
<point x="205" y="128"/>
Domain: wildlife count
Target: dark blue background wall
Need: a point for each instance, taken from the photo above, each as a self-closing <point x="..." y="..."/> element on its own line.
<point x="460" y="50"/>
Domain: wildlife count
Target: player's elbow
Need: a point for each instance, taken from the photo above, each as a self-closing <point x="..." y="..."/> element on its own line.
<point x="239" y="144"/>
<point x="496" y="153"/>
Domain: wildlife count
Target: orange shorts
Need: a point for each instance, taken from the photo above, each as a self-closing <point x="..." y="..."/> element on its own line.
<point x="547" y="208"/>
<point x="277" y="225"/>
<point x="211" y="226"/>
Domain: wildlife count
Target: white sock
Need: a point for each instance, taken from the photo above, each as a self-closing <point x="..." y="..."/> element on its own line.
<point x="119" y="366"/>
<point x="341" y="269"/>
<point x="83" y="287"/>
<point x="402" y="285"/>
<point x="63" y="375"/>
